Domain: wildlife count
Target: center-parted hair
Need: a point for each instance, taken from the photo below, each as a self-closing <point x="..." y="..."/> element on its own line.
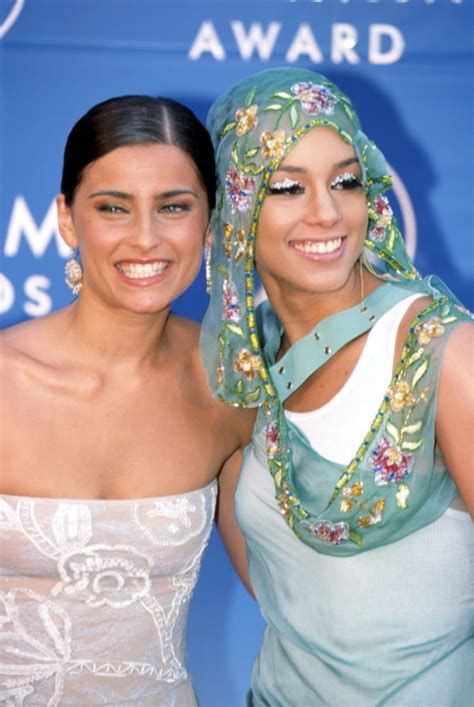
<point x="137" y="120"/>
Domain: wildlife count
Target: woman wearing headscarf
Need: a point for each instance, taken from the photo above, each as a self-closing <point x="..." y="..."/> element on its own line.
<point x="352" y="499"/>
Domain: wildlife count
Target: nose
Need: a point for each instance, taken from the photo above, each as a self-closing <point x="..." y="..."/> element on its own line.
<point x="145" y="231"/>
<point x="323" y="208"/>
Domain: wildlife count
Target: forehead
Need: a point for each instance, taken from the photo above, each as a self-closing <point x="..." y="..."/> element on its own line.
<point x="139" y="163"/>
<point x="320" y="146"/>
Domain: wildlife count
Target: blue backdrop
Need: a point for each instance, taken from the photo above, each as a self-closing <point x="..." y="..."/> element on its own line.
<point x="408" y="65"/>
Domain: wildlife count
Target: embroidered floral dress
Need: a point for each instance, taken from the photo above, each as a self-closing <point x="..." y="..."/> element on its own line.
<point x="366" y="585"/>
<point x="94" y="599"/>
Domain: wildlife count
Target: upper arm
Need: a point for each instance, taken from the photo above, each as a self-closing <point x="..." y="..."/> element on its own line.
<point x="455" y="413"/>
<point x="225" y="516"/>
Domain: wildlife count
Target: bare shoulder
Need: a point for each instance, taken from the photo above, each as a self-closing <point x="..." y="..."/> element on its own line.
<point x="33" y="336"/>
<point x="458" y="364"/>
<point x="233" y="423"/>
<point x="17" y="364"/>
<point x="27" y="351"/>
<point x="17" y="344"/>
<point x="455" y="410"/>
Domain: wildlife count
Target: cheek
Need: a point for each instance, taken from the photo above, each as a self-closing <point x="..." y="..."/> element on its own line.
<point x="359" y="216"/>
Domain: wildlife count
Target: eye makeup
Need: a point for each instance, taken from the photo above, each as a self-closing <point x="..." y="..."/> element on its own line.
<point x="346" y="180"/>
<point x="286" y="186"/>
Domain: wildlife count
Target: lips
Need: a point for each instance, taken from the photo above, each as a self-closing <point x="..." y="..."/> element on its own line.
<point x="142" y="273"/>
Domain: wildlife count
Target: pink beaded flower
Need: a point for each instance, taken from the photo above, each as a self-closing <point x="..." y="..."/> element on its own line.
<point x="313" y="98"/>
<point x="382" y="213"/>
<point x="335" y="533"/>
<point x="272" y="436"/>
<point x="231" y="301"/>
<point x="390" y="464"/>
<point x="238" y="190"/>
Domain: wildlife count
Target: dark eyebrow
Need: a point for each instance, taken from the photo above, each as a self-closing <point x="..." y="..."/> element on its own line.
<point x="290" y="169"/>
<point x="114" y="194"/>
<point x="346" y="163"/>
<point x="178" y="192"/>
<point x="124" y="195"/>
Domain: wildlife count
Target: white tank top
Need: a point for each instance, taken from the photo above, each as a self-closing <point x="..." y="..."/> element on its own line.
<point x="336" y="429"/>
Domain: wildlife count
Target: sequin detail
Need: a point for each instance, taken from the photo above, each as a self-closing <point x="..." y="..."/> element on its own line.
<point x="232" y="310"/>
<point x="389" y="463"/>
<point x="287" y="108"/>
<point x="335" y="533"/>
<point x="273" y="144"/>
<point x="238" y="190"/>
<point x="246" y="119"/>
<point x="314" y="98"/>
<point x="425" y="331"/>
<point x="247" y="364"/>
<point x="381" y="214"/>
<point x="401" y="396"/>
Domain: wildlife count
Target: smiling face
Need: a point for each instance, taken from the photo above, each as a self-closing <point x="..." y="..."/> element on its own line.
<point x="314" y="218"/>
<point x="139" y="217"/>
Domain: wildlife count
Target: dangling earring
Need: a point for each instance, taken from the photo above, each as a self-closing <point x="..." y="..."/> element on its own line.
<point x="207" y="259"/>
<point x="73" y="271"/>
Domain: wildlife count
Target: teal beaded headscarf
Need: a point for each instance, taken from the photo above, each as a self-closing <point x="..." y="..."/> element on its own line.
<point x="253" y="127"/>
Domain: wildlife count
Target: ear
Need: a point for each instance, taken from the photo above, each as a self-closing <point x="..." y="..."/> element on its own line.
<point x="65" y="222"/>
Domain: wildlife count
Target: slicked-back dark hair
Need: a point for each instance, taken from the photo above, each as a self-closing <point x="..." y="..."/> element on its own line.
<point x="137" y="120"/>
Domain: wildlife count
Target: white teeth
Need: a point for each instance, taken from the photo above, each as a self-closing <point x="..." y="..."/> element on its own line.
<point x="320" y="247"/>
<point x="139" y="271"/>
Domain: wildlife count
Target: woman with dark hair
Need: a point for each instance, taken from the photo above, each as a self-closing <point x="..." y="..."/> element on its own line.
<point x="354" y="495"/>
<point x="111" y="439"/>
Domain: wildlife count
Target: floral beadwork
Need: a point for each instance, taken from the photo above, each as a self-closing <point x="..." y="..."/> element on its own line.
<point x="272" y="437"/>
<point x="246" y="119"/>
<point x="335" y="533"/>
<point x="117" y="576"/>
<point x="228" y="233"/>
<point x="389" y="463"/>
<point x="363" y="504"/>
<point x="241" y="245"/>
<point x="425" y="331"/>
<point x="402" y="496"/>
<point x="231" y="301"/>
<point x="238" y="190"/>
<point x="273" y="144"/>
<point x="247" y="363"/>
<point x="349" y="494"/>
<point x="375" y="515"/>
<point x="400" y="395"/>
<point x="381" y="213"/>
<point x="314" y="98"/>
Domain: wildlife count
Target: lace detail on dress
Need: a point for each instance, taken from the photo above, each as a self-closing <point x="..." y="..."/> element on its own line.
<point x="94" y="598"/>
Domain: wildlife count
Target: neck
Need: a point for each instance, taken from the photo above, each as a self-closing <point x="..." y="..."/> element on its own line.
<point x="101" y="336"/>
<point x="299" y="312"/>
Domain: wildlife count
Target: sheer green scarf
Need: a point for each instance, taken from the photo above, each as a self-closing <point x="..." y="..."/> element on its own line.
<point x="253" y="127"/>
